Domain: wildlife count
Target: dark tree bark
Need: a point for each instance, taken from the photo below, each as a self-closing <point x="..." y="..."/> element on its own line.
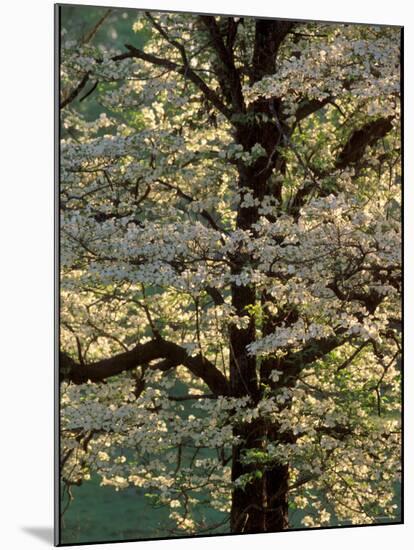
<point x="262" y="504"/>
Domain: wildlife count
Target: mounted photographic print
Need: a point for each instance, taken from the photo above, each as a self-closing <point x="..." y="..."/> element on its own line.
<point x="229" y="274"/>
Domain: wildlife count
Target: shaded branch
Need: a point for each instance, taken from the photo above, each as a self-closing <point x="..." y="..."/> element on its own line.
<point x="89" y="92"/>
<point x="229" y="77"/>
<point x="314" y="350"/>
<point x="75" y="91"/>
<point x="269" y="35"/>
<point x="359" y="140"/>
<point x="371" y="299"/>
<point x="351" y="154"/>
<point x="171" y="353"/>
<point x="307" y="108"/>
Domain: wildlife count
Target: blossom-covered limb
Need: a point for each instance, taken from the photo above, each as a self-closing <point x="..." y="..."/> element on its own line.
<point x="184" y="70"/>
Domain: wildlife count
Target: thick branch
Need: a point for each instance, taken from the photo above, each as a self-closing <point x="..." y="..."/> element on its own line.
<point x="307" y="108"/>
<point x="351" y="154"/>
<point x="269" y="35"/>
<point x="316" y="349"/>
<point x="359" y="140"/>
<point x="172" y="354"/>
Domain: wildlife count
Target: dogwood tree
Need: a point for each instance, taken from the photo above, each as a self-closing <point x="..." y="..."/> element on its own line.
<point x="230" y="269"/>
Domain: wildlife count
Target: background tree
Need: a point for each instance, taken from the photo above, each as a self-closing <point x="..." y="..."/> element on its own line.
<point x="230" y="268"/>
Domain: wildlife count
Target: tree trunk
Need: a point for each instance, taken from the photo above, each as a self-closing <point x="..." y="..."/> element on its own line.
<point x="262" y="505"/>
